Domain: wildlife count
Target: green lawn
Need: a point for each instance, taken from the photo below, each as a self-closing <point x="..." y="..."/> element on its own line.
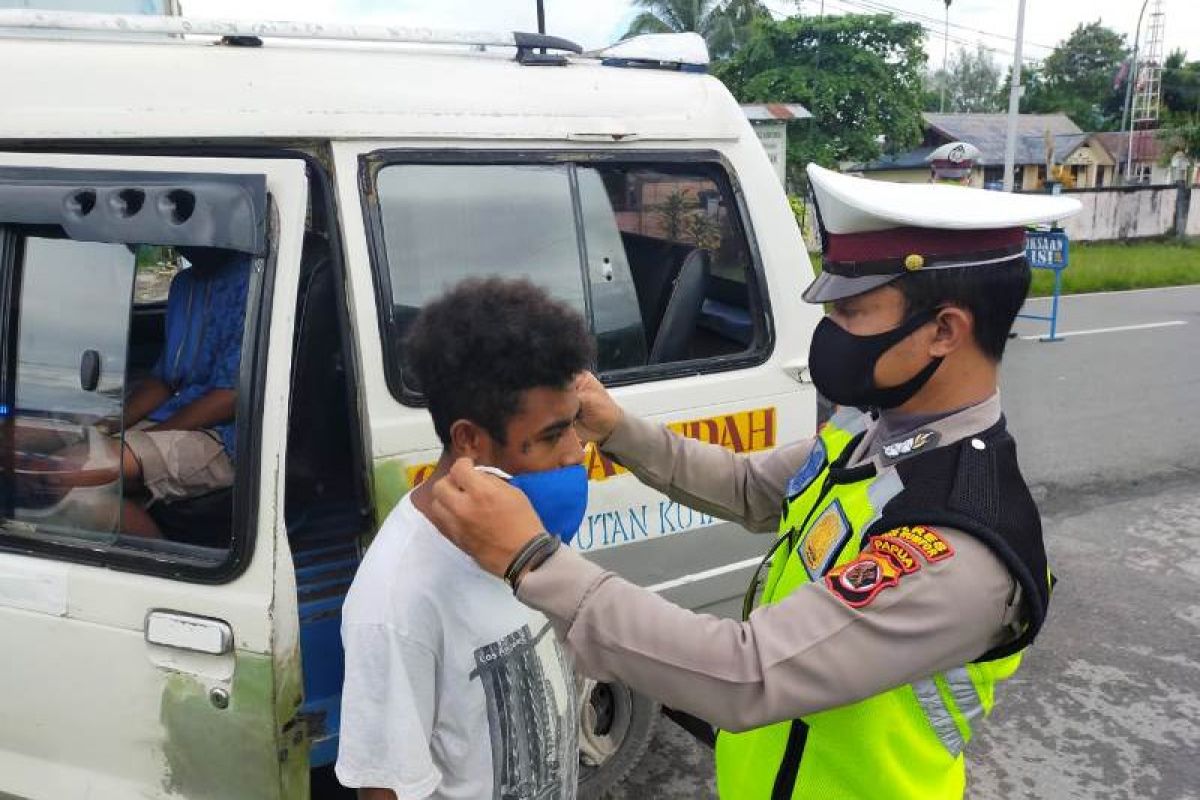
<point x="1111" y="266"/>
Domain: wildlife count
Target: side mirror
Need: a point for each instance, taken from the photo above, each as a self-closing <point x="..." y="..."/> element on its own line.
<point x="89" y="370"/>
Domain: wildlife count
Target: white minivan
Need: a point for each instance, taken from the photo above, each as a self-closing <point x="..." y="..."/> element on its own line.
<point x="361" y="176"/>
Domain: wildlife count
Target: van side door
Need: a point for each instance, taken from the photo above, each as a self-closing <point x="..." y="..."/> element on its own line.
<point x="147" y="596"/>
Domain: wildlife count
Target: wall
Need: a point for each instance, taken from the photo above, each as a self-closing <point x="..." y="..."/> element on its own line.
<point x="1125" y="213"/>
<point x="1193" y="221"/>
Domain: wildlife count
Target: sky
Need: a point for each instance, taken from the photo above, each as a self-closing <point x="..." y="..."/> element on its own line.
<point x="594" y="23"/>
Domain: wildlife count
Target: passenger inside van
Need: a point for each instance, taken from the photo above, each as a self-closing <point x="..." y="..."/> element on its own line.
<point x="178" y="423"/>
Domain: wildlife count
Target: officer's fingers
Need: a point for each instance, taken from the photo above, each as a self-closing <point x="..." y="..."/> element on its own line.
<point x="462" y="475"/>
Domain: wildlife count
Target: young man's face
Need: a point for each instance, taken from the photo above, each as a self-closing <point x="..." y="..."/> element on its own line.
<point x="879" y="311"/>
<point x="540" y="436"/>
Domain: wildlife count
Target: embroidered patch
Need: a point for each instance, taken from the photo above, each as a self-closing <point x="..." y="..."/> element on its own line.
<point x="824" y="540"/>
<point x="861" y="580"/>
<point x="911" y="444"/>
<point x="807" y="473"/>
<point x="904" y="556"/>
<point x="927" y="541"/>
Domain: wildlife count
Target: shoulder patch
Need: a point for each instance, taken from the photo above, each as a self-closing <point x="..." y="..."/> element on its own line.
<point x="906" y="557"/>
<point x="824" y="540"/>
<point x="925" y="541"/>
<point x="809" y="471"/>
<point x="858" y="582"/>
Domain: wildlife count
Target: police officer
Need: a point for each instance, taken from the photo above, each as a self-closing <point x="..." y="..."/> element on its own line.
<point x="952" y="163"/>
<point x="909" y="573"/>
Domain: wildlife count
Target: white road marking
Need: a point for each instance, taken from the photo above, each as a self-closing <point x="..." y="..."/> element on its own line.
<point x="1182" y="287"/>
<point x="705" y="575"/>
<point x="1118" y="329"/>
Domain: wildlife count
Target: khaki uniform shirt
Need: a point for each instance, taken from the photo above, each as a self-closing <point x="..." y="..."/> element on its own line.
<point x="809" y="652"/>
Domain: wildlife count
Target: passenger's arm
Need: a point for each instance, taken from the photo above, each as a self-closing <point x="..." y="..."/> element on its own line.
<point x="147" y="396"/>
<point x="810" y="652"/>
<point x="213" y="408"/>
<point x="746" y="488"/>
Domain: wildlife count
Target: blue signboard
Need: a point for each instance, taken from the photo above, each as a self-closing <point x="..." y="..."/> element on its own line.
<point x="1046" y="249"/>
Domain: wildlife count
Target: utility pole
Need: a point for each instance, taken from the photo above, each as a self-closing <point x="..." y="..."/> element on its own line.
<point x="1143" y="114"/>
<point x="1129" y="82"/>
<point x="945" y="53"/>
<point x="1014" y="102"/>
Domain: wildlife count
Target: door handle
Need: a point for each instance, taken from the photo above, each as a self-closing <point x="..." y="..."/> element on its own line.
<point x="188" y="632"/>
<point x="797" y="371"/>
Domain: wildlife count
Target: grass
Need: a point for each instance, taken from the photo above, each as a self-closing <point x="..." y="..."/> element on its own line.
<point x="1106" y="267"/>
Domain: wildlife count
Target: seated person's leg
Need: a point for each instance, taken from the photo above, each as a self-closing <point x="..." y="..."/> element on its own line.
<point x="177" y="464"/>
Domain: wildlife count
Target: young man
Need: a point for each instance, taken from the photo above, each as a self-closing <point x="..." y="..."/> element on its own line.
<point x="454" y="688"/>
<point x="909" y="573"/>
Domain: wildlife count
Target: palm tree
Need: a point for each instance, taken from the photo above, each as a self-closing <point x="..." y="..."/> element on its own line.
<point x="722" y="23"/>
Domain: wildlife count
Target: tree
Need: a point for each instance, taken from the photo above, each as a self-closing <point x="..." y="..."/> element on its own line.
<point x="1180" y="86"/>
<point x="724" y="24"/>
<point x="1079" y="79"/>
<point x="1184" y="137"/>
<point x="972" y="83"/>
<point x="859" y="75"/>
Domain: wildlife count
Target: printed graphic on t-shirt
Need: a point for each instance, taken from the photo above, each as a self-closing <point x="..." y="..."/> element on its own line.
<point x="528" y="720"/>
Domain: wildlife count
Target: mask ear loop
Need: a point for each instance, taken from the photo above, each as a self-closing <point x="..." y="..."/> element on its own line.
<point x="499" y="473"/>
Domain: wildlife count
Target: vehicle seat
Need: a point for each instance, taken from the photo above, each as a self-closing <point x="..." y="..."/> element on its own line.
<point x="683" y="310"/>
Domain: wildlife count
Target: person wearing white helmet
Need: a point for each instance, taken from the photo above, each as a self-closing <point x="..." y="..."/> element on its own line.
<point x="909" y="573"/>
<point x="952" y="163"/>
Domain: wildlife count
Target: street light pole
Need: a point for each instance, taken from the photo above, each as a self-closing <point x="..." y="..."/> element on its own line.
<point x="945" y="52"/>
<point x="1129" y="81"/>
<point x="1014" y="102"/>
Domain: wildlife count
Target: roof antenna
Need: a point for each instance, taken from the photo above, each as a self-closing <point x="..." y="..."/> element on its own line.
<point x="541" y="20"/>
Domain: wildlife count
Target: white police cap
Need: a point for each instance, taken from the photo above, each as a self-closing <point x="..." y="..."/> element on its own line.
<point x="954" y="159"/>
<point x="873" y="232"/>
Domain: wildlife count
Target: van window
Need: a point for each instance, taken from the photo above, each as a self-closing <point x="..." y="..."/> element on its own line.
<point x="100" y="439"/>
<point x="653" y="254"/>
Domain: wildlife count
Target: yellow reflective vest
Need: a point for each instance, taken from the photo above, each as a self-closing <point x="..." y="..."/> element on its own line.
<point x="906" y="742"/>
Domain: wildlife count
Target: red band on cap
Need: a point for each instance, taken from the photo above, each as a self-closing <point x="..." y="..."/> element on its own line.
<point x="927" y="242"/>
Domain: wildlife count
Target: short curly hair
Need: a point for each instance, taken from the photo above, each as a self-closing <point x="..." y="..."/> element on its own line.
<point x="475" y="350"/>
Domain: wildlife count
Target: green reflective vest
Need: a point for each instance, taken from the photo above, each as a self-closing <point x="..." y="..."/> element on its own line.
<point x="903" y="743"/>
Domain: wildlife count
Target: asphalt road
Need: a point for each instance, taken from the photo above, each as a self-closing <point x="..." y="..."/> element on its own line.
<point x="1107" y="704"/>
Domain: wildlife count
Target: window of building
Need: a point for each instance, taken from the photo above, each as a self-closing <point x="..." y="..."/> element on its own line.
<point x="653" y="254"/>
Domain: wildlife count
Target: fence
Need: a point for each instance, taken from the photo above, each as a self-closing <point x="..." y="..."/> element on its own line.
<point x="1133" y="212"/>
<point x="1111" y="214"/>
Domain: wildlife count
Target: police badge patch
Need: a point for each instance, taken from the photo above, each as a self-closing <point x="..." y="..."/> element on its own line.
<point x="861" y="580"/>
<point x="824" y="540"/>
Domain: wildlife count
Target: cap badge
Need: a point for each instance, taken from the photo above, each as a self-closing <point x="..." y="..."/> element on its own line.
<point x="913" y="262"/>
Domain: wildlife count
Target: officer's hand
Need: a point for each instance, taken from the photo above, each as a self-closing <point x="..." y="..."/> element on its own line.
<point x="599" y="414"/>
<point x="483" y="515"/>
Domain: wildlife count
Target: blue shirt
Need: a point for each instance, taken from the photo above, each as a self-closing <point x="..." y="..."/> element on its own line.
<point x="203" y="349"/>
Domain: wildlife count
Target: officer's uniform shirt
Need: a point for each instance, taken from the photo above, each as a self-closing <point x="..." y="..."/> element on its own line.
<point x="808" y="652"/>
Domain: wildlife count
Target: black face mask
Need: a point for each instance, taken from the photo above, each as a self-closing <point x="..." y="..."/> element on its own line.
<point x="843" y="365"/>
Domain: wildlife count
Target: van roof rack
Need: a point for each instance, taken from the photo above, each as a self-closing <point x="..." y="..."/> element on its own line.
<point x="234" y="31"/>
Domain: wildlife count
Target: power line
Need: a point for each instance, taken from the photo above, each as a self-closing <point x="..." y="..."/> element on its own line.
<point x="877" y="5"/>
<point x="857" y="6"/>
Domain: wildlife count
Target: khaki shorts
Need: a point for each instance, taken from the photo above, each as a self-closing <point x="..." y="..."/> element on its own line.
<point x="179" y="464"/>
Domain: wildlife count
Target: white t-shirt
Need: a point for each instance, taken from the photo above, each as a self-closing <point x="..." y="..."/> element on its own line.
<point x="453" y="689"/>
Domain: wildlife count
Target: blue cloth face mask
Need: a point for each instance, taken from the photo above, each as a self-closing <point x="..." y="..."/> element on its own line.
<point x="559" y="496"/>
